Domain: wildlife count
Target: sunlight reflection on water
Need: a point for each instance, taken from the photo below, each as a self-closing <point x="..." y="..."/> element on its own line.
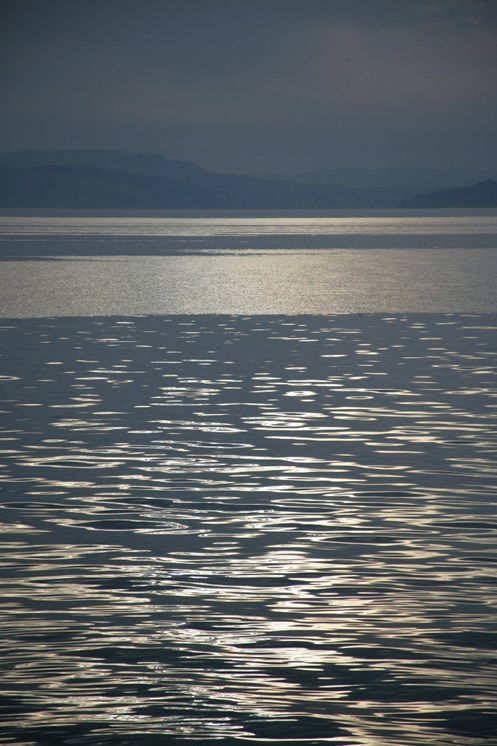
<point x="315" y="282"/>
<point x="249" y="528"/>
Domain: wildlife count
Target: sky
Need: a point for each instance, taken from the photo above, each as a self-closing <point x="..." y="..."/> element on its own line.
<point x="254" y="86"/>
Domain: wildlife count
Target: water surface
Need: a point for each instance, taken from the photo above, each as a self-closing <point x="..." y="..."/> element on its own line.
<point x="244" y="528"/>
<point x="91" y="266"/>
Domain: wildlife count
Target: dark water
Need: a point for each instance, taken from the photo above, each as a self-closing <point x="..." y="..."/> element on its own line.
<point x="249" y="529"/>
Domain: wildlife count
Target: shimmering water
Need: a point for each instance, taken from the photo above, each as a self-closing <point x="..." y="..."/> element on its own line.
<point x="249" y="528"/>
<point x="128" y="265"/>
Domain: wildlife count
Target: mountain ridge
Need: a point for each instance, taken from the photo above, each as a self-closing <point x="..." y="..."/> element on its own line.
<point x="482" y="194"/>
<point x="102" y="179"/>
<point x="231" y="190"/>
<point x="420" y="178"/>
<point x="86" y="187"/>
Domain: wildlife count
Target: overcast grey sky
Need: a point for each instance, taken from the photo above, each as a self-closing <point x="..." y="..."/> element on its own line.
<point x="255" y="85"/>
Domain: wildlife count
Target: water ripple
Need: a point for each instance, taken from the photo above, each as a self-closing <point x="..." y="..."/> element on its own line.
<point x="248" y="529"/>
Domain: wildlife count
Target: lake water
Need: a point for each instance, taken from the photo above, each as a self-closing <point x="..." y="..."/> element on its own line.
<point x="248" y="479"/>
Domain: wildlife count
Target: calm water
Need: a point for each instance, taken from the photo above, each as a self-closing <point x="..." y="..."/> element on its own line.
<point x="268" y="517"/>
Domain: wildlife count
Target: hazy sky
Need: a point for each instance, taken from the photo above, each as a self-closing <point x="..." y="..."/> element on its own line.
<point x="255" y="85"/>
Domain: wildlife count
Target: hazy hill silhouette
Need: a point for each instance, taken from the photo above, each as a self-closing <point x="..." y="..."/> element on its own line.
<point x="104" y="179"/>
<point x="421" y="179"/>
<point x="482" y="194"/>
<point x="142" y="180"/>
<point x="115" y="160"/>
<point x="85" y="187"/>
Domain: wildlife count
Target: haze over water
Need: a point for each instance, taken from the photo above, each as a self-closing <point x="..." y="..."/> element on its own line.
<point x="248" y="483"/>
